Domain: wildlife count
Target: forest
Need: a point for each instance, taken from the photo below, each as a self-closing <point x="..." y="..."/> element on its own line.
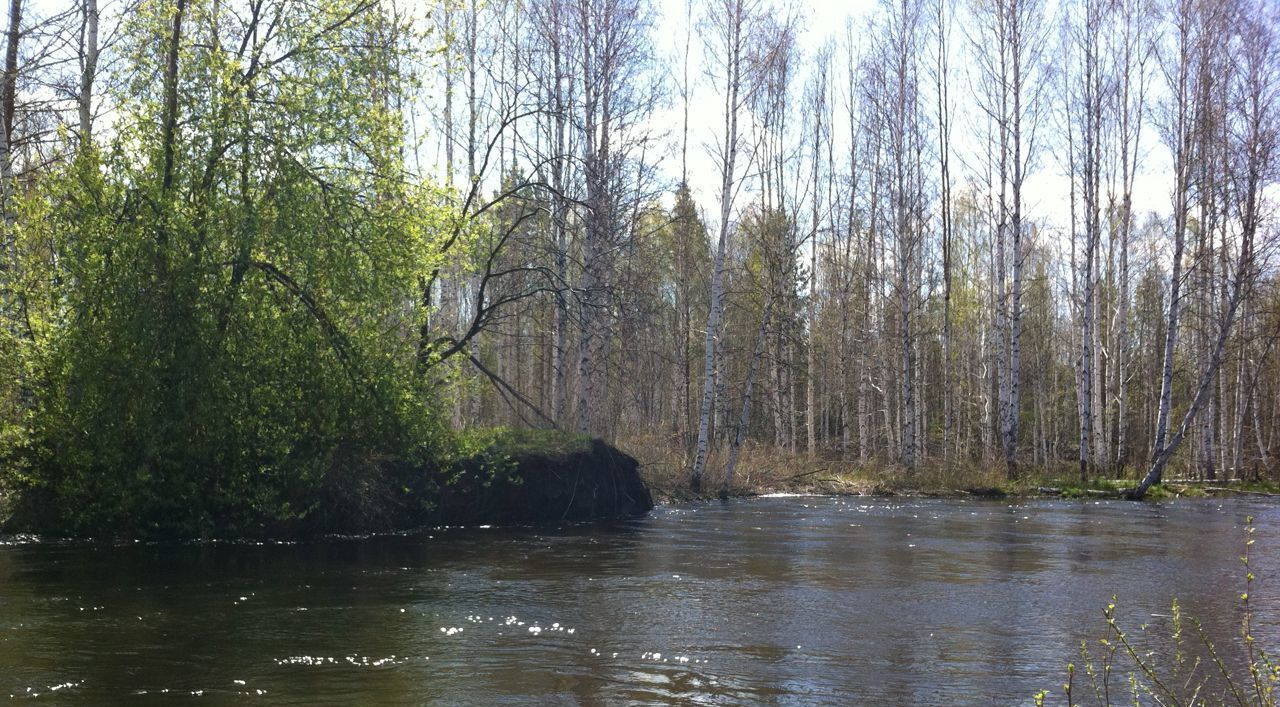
<point x="252" y="250"/>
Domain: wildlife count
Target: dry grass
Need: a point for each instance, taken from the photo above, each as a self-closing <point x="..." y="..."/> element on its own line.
<point x="665" y="464"/>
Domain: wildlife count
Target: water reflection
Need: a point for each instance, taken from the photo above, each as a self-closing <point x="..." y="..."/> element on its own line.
<point x="785" y="601"/>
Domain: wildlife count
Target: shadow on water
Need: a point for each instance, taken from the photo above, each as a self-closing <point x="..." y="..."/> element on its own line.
<point x="786" y="600"/>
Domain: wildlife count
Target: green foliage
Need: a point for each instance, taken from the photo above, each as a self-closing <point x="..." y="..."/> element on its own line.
<point x="506" y="441"/>
<point x="220" y="331"/>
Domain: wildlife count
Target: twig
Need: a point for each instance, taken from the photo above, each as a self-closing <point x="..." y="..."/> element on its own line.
<point x="807" y="473"/>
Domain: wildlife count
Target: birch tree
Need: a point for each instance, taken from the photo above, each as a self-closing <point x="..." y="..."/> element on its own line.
<point x="1250" y="146"/>
<point x="728" y="26"/>
<point x="1008" y="42"/>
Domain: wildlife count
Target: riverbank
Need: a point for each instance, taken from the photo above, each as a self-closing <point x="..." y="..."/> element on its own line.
<point x="531" y="477"/>
<point x="763" y="471"/>
<point x="493" y="477"/>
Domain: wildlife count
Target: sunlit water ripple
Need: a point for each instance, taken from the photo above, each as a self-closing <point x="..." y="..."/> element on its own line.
<point x="796" y="600"/>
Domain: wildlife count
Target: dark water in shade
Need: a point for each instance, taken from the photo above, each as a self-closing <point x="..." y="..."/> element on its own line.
<point x="809" y="600"/>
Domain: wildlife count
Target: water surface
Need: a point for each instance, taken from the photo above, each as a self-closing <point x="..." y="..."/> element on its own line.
<point x="809" y="600"/>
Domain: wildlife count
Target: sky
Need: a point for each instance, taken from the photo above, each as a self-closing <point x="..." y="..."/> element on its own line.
<point x="1047" y="188"/>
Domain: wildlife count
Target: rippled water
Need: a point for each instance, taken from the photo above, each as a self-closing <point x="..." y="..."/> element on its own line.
<point x="809" y="600"/>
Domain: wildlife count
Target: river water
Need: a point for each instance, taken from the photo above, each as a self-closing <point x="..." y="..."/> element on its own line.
<point x="800" y="600"/>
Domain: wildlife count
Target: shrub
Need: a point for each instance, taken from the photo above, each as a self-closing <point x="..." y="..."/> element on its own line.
<point x="1196" y="673"/>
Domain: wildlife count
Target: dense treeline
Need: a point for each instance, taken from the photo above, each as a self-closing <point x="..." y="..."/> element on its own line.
<point x="1009" y="232"/>
<point x="253" y="249"/>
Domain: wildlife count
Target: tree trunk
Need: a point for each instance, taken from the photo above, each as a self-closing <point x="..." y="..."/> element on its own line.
<point x="734" y="63"/>
<point x="88" y="70"/>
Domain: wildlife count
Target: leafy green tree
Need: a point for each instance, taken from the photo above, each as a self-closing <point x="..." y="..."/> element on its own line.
<point x="228" y="337"/>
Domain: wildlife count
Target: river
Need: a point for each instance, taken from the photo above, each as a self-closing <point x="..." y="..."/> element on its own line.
<point x="797" y="600"/>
